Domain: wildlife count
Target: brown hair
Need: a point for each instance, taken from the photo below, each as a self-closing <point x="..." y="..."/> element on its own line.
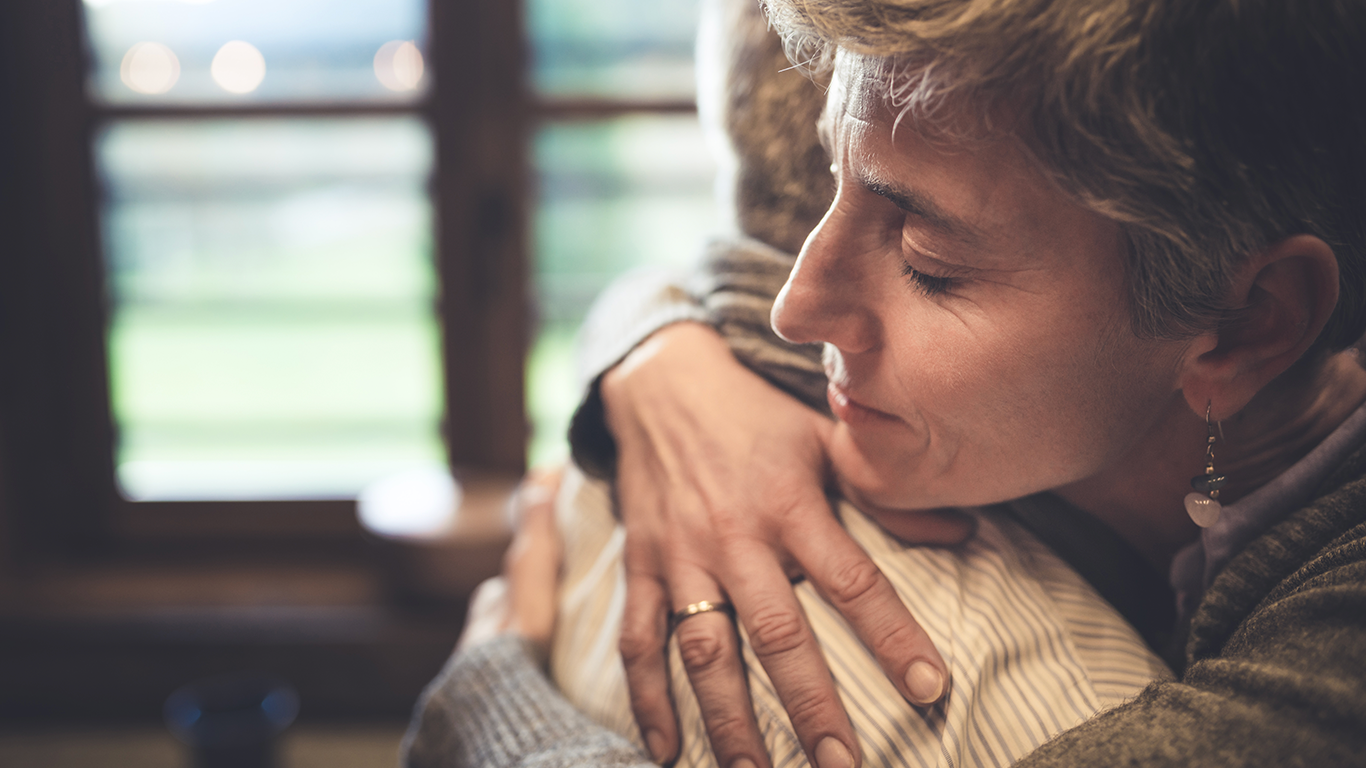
<point x="766" y="111"/>
<point x="1208" y="129"/>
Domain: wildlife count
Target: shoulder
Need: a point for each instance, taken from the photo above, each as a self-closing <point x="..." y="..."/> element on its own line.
<point x="1311" y="561"/>
<point x="1277" y="656"/>
<point x="1277" y="673"/>
<point x="1279" y="644"/>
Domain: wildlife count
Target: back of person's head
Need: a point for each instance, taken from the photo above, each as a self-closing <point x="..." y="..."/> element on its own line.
<point x="762" y="113"/>
<point x="1207" y="128"/>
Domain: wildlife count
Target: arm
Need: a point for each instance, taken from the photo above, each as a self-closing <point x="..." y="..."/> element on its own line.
<point x="721" y="485"/>
<point x="1277" y="661"/>
<point x="721" y="489"/>
<point x="491" y="706"/>
<point x="733" y="292"/>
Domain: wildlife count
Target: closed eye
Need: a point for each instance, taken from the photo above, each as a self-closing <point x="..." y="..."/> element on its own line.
<point x="930" y="285"/>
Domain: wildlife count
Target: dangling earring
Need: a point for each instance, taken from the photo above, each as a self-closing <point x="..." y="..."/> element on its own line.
<point x="1204" y="506"/>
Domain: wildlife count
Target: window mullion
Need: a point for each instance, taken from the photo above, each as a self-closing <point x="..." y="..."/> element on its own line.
<point x="480" y="115"/>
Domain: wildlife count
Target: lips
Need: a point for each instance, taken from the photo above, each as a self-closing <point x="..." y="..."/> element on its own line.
<point x="851" y="411"/>
<point x="846" y="408"/>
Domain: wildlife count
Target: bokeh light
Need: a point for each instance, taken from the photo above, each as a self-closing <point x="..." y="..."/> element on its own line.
<point x="238" y="67"/>
<point x="149" y="68"/>
<point x="398" y="65"/>
<point x="103" y="3"/>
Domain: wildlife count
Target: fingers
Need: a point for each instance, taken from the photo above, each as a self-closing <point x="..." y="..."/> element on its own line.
<point x="533" y="558"/>
<point x="537" y="490"/>
<point x="784" y="644"/>
<point x="643" y="635"/>
<point x="710" y="459"/>
<point x="710" y="648"/>
<point x="852" y="583"/>
<point x="531" y="565"/>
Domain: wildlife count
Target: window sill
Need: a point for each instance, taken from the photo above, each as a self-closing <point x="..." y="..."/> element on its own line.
<point x="357" y="620"/>
<point x="111" y="641"/>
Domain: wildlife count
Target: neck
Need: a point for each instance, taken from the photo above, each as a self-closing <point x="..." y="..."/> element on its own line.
<point x="1283" y="423"/>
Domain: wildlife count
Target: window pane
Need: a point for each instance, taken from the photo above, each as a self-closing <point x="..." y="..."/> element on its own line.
<point x="237" y="51"/>
<point x="613" y="48"/>
<point x="613" y="195"/>
<point x="273" y="333"/>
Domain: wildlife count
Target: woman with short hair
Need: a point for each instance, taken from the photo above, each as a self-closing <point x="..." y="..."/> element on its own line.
<point x="1109" y="252"/>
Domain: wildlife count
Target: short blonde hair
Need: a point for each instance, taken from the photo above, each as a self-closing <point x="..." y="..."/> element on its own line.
<point x="1208" y="129"/>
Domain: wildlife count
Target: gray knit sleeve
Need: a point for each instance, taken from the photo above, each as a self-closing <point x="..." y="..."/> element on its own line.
<point x="491" y="707"/>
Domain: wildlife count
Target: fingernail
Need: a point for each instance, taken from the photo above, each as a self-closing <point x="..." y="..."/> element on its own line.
<point x="924" y="682"/>
<point x="743" y="762"/>
<point x="831" y="753"/>
<point x="658" y="746"/>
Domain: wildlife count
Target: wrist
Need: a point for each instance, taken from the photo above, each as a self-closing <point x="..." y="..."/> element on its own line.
<point x="685" y="343"/>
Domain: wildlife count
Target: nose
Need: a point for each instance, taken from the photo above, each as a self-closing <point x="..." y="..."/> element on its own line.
<point x="828" y="293"/>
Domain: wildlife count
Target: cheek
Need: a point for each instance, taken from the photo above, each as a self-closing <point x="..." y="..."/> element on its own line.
<point x="1131" y="385"/>
<point x="1003" y="410"/>
<point x="1074" y="404"/>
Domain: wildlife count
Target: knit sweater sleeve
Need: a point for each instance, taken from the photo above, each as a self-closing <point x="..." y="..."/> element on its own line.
<point x="491" y="707"/>
<point x="1276" y="670"/>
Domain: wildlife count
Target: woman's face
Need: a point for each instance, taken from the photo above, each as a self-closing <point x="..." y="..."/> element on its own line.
<point x="975" y="319"/>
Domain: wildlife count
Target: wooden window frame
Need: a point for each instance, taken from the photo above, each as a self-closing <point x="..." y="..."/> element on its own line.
<point x="57" y="433"/>
<point x="106" y="604"/>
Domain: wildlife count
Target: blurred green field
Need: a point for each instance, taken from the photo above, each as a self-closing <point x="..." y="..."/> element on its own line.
<point x="273" y="332"/>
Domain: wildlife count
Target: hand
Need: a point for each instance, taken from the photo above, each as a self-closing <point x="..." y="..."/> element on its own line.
<point x="522" y="600"/>
<point x="720" y="485"/>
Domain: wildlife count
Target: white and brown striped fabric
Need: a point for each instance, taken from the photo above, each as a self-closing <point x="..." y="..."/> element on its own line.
<point x="1032" y="649"/>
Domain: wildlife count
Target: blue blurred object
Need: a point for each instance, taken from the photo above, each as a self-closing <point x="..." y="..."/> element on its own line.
<point x="232" y="721"/>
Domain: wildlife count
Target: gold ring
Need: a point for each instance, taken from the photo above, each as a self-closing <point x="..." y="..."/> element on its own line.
<point x="705" y="606"/>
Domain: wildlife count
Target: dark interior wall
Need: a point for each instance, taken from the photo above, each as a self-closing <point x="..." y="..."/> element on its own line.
<point x="54" y="418"/>
<point x="11" y="213"/>
<point x="348" y="663"/>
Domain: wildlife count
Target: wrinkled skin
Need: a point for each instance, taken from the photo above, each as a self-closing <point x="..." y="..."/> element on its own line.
<point x="979" y="348"/>
<point x="936" y="276"/>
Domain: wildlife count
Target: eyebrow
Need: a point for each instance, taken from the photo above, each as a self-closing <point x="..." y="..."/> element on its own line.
<point x="919" y="205"/>
<point x="908" y="200"/>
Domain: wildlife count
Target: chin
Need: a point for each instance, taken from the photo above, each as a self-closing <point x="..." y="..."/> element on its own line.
<point x="880" y="472"/>
<point x="899" y="473"/>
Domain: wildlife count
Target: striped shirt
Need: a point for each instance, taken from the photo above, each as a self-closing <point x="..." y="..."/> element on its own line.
<point x="1031" y="648"/>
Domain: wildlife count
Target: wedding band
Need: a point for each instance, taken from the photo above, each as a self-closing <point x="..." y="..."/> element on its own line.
<point x="705" y="606"/>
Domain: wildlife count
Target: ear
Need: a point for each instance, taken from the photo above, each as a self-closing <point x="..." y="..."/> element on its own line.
<point x="1283" y="297"/>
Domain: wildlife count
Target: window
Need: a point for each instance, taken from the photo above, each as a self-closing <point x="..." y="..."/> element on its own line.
<point x="304" y="250"/>
<point x="623" y="177"/>
<point x="272" y="330"/>
<point x="140" y="224"/>
<point x="318" y="250"/>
